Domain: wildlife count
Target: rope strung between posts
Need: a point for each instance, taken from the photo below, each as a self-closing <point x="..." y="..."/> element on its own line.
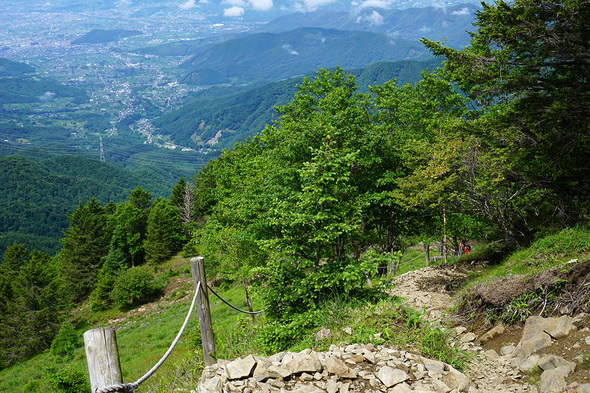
<point x="130" y="387"/>
<point x="235" y="308"/>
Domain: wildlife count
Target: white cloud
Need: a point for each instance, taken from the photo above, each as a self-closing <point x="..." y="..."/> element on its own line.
<point x="384" y="4"/>
<point x="234" y="12"/>
<point x="289" y="49"/>
<point x="462" y="11"/>
<point x="439" y="4"/>
<point x="203" y="1"/>
<point x="375" y="19"/>
<point x="235" y="3"/>
<point x="425" y="29"/>
<point x="188" y="4"/>
<point x="311" y="5"/>
<point x="47" y="96"/>
<point x="261" y="5"/>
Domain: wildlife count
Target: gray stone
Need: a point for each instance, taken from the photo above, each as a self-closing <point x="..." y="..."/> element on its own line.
<point x="304" y="363"/>
<point x="337" y="367"/>
<point x="440" y="387"/>
<point x="491" y="354"/>
<point x="262" y="365"/>
<point x="400" y="388"/>
<point x="584" y="388"/>
<point x="434" y="365"/>
<point x="468" y="337"/>
<point x="456" y="380"/>
<point x="492" y="333"/>
<point x="308" y="389"/>
<point x="331" y="386"/>
<point x="559" y="327"/>
<point x="391" y="377"/>
<point x="211" y="385"/>
<point x="530" y="364"/>
<point x="324" y="334"/>
<point x="369" y="356"/>
<point x="549" y="362"/>
<point x="533" y="344"/>
<point x="240" y="368"/>
<point x="553" y="381"/>
<point x="278" y="372"/>
<point x="507" y="350"/>
<point x="460" y="329"/>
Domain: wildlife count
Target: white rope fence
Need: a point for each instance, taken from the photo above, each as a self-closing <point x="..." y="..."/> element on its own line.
<point x="130" y="387"/>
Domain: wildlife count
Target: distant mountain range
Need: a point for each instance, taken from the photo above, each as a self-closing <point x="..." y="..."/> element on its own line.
<point x="276" y="56"/>
<point x="98" y="36"/>
<point x="13" y="68"/>
<point x="221" y="122"/>
<point x="434" y="23"/>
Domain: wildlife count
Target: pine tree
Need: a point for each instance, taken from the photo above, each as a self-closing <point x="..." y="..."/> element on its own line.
<point x="164" y="232"/>
<point x="85" y="245"/>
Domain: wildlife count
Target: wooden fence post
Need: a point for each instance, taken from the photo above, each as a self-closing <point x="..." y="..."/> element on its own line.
<point x="198" y="271"/>
<point x="427" y="252"/>
<point x="102" y="356"/>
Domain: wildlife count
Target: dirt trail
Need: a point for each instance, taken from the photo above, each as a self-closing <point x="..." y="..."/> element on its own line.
<point x="430" y="291"/>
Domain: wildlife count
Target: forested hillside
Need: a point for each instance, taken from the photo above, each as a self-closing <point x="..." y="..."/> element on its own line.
<point x="37" y="197"/>
<point x="221" y="122"/>
<point x="275" y="56"/>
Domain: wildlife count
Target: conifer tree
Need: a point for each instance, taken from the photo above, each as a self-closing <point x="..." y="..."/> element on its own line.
<point x="85" y="244"/>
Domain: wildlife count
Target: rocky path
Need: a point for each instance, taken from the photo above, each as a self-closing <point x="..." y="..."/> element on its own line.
<point x="430" y="291"/>
<point x="372" y="369"/>
<point x="549" y="347"/>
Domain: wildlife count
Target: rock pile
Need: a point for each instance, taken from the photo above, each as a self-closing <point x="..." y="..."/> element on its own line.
<point x="351" y="368"/>
<point x="539" y="334"/>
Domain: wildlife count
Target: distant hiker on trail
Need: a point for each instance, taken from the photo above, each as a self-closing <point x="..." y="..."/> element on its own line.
<point x="464" y="248"/>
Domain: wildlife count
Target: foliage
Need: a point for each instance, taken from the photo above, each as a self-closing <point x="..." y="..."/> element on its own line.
<point x="84" y="247"/>
<point x="100" y="298"/>
<point x="32" y="301"/>
<point x="68" y="380"/>
<point x="275" y="336"/>
<point x="527" y="72"/>
<point x="135" y="286"/>
<point x="65" y="342"/>
<point x="164" y="234"/>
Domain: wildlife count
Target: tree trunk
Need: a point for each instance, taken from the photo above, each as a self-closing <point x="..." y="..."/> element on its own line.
<point x="248" y="302"/>
<point x="445" y="233"/>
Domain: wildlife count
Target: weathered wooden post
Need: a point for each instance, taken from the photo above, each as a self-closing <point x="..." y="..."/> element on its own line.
<point x="198" y="271"/>
<point x="102" y="356"/>
<point x="427" y="252"/>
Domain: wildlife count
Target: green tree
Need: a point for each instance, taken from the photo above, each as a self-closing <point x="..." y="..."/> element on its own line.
<point x="164" y="232"/>
<point x="129" y="228"/>
<point x="39" y="303"/>
<point x="100" y="298"/>
<point x="528" y="71"/>
<point x="85" y="245"/>
<point x="135" y="286"/>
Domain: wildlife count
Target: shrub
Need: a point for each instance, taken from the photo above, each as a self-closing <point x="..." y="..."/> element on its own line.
<point x="136" y="286"/>
<point x="100" y="298"/>
<point x="68" y="380"/>
<point x="65" y="343"/>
